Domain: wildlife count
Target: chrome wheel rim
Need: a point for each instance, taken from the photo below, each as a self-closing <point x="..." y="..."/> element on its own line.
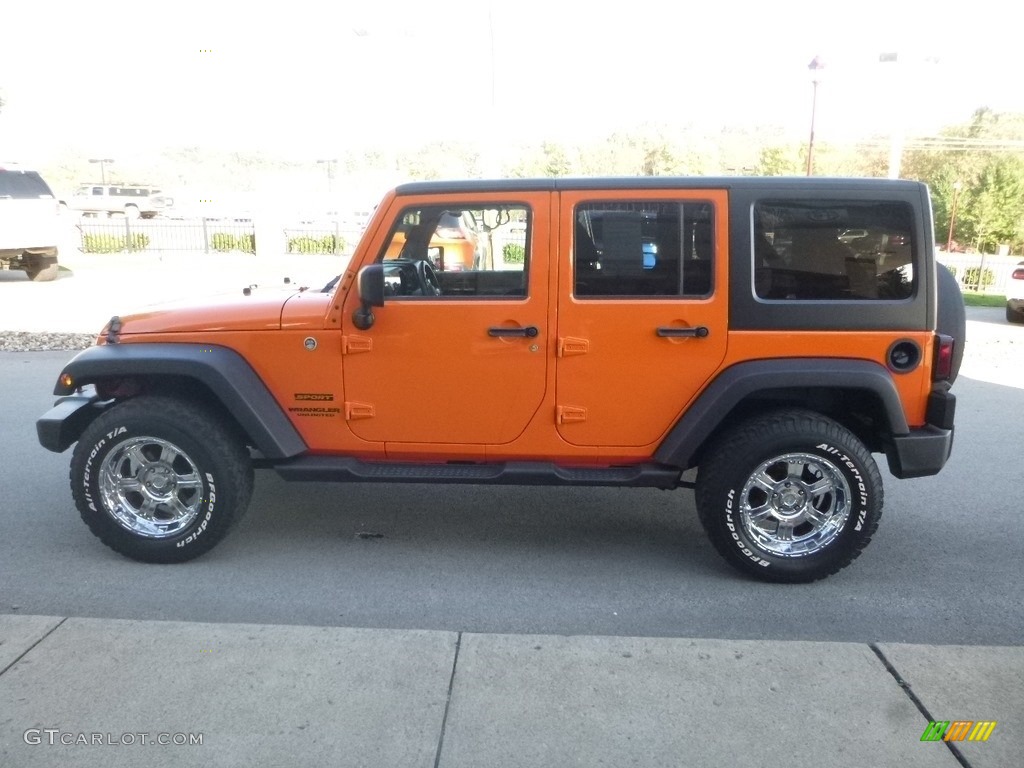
<point x="151" y="487"/>
<point x="794" y="505"/>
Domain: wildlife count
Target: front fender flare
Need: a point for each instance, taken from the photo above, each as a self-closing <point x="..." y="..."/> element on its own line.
<point x="222" y="371"/>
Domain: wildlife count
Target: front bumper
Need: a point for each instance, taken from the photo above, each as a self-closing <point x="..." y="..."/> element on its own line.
<point x="62" y="425"/>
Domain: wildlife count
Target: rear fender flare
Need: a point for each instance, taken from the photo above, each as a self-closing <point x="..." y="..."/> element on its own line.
<point x="741" y="381"/>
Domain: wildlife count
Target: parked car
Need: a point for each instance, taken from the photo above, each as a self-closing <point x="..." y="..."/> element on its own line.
<point x="131" y="200"/>
<point x="777" y="379"/>
<point x="29" y="223"/>
<point x="1015" y="295"/>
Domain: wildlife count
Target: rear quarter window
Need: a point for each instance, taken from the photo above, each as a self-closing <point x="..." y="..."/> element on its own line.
<point x="833" y="250"/>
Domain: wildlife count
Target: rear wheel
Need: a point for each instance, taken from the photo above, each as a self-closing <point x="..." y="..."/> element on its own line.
<point x="1014" y="315"/>
<point x="160" y="480"/>
<point x="789" y="497"/>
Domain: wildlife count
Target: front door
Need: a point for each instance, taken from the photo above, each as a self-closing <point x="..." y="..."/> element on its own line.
<point x="456" y="356"/>
<point x="642" y="314"/>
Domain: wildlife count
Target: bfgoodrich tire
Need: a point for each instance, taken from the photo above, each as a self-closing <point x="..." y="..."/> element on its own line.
<point x="789" y="497"/>
<point x="160" y="480"/>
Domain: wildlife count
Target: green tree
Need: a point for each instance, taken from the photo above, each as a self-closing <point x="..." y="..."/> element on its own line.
<point x="778" y="161"/>
<point x="994" y="209"/>
<point x="988" y="204"/>
<point x="556" y="161"/>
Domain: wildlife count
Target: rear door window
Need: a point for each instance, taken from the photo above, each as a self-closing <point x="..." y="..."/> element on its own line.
<point x="643" y="248"/>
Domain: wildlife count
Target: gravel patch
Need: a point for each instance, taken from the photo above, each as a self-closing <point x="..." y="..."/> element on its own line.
<point x="30" y="341"/>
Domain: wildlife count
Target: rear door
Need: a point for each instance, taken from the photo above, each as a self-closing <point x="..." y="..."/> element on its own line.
<point x="642" y="316"/>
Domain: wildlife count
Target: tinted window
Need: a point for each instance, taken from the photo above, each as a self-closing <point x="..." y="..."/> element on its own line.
<point x="470" y="251"/>
<point x="833" y="250"/>
<point x="23" y="185"/>
<point x="643" y="249"/>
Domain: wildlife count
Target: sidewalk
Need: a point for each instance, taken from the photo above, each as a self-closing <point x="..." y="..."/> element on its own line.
<point x="323" y="696"/>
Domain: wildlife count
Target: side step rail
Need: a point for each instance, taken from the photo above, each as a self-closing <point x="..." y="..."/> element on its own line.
<point x="345" y="469"/>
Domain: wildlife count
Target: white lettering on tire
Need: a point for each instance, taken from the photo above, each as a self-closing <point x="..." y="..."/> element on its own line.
<point x="731" y="525"/>
<point x="211" y="500"/>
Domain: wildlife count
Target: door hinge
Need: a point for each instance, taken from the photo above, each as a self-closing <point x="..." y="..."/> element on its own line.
<point x="355" y="411"/>
<point x="350" y="345"/>
<point x="570" y="414"/>
<point x="568" y="345"/>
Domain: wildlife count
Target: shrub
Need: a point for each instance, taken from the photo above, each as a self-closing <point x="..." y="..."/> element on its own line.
<point x="223" y="241"/>
<point x="513" y="253"/>
<point x="978" y="279"/>
<point x="102" y="243"/>
<point x="304" y="244"/>
<point x="332" y="243"/>
<point x="107" y="243"/>
<point x="308" y="244"/>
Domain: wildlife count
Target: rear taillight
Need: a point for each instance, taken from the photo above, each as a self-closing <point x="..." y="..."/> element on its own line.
<point x="1018" y="273"/>
<point x="943" y="367"/>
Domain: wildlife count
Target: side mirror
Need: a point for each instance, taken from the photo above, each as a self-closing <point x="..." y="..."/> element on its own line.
<point x="370" y="284"/>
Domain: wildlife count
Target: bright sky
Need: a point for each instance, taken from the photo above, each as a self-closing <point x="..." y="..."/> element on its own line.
<point x="308" y="78"/>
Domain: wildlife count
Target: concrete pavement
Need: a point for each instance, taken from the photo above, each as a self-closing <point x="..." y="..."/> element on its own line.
<point x="90" y="692"/>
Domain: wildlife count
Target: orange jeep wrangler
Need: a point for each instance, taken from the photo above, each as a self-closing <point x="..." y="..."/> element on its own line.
<point x="770" y="334"/>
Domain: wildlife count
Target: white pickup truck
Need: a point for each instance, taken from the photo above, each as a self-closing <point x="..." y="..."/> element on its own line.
<point x="29" y="223"/>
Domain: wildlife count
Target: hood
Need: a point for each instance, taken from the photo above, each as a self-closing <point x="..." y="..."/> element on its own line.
<point x="260" y="311"/>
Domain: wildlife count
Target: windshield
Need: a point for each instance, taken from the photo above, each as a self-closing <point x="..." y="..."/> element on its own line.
<point x="23" y="185"/>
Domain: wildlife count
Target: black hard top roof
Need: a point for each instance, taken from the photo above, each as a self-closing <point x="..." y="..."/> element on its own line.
<point x="654" y="182"/>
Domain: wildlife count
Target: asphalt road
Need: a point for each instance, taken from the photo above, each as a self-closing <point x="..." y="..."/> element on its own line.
<point x="944" y="566"/>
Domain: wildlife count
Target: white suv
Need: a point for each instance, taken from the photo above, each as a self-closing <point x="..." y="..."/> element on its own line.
<point x="29" y="223"/>
<point x="133" y="200"/>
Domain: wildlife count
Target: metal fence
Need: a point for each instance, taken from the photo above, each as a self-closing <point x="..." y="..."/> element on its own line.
<point x="207" y="235"/>
<point x="980" y="273"/>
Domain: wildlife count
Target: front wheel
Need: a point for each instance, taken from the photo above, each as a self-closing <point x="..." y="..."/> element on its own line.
<point x="159" y="480"/>
<point x="789" y="497"/>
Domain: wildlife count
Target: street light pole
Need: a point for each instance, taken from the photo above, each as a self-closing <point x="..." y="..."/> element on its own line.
<point x="330" y="173"/>
<point x="103" y="167"/>
<point x="815" y="66"/>
<point x="957" y="186"/>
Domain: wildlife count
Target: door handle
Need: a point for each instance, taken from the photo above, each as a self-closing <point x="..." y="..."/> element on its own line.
<point x="699" y="332"/>
<point x="529" y="331"/>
